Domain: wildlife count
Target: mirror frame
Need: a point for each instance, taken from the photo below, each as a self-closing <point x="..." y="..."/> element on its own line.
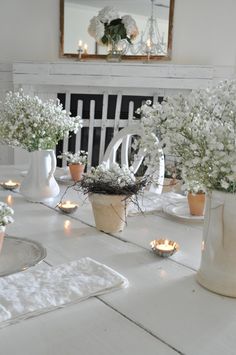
<point x="124" y="57"/>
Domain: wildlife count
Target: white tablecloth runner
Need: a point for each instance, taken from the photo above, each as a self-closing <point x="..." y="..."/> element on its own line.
<point x="30" y="293"/>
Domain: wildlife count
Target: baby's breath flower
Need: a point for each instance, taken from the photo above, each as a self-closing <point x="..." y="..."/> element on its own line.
<point x="6" y="214"/>
<point x="31" y="124"/>
<point x="114" y="180"/>
<point x="80" y="157"/>
<point x="199" y="130"/>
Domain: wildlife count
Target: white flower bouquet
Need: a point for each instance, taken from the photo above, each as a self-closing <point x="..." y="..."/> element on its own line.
<point x="29" y="123"/>
<point x="200" y="130"/>
<point x="108" y="26"/>
<point x="80" y="157"/>
<point x="6" y="214"/>
<point x="114" y="180"/>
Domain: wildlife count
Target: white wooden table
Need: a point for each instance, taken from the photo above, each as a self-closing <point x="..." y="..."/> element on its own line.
<point x="163" y="311"/>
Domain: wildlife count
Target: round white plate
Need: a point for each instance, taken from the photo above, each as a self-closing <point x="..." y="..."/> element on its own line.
<point x="66" y="179"/>
<point x="181" y="211"/>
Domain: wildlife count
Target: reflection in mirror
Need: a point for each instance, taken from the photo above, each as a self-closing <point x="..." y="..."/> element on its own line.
<point x="154" y="20"/>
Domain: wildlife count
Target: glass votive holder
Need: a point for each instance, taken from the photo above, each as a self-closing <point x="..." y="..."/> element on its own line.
<point x="67" y="207"/>
<point x="164" y="247"/>
<point x="10" y="185"/>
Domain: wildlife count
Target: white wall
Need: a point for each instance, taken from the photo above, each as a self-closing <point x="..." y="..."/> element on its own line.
<point x="204" y="31"/>
<point x="29" y="30"/>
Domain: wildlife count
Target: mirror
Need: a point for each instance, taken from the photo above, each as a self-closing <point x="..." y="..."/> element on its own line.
<point x="154" y="20"/>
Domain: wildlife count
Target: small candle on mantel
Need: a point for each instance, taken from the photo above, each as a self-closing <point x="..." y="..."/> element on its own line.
<point x="148" y="43"/>
<point x="85" y="48"/>
<point x="67" y="207"/>
<point x="164" y="247"/>
<point x="80" y="44"/>
<point x="10" y="185"/>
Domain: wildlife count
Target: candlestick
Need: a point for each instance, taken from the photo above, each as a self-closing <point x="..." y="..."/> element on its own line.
<point x="80" y="50"/>
<point x="164" y="247"/>
<point x="10" y="185"/>
<point x="67" y="207"/>
<point x="85" y="48"/>
<point x="148" y="49"/>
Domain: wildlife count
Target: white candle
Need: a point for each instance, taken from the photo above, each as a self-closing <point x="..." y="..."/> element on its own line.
<point x="165" y="246"/>
<point x="148" y="43"/>
<point x="80" y="44"/>
<point x="85" y="48"/>
<point x="67" y="206"/>
<point x="10" y="185"/>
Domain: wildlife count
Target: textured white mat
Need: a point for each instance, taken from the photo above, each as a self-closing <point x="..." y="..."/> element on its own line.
<point x="27" y="294"/>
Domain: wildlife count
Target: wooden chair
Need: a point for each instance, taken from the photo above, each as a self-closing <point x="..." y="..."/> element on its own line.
<point x="123" y="139"/>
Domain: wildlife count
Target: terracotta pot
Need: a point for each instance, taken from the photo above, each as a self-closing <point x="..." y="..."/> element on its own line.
<point x="2" y="234"/>
<point x="196" y="203"/>
<point x="76" y="171"/>
<point x="110" y="212"/>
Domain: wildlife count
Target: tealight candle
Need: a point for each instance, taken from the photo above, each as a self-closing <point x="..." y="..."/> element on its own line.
<point x="67" y="207"/>
<point x="164" y="247"/>
<point x="10" y="185"/>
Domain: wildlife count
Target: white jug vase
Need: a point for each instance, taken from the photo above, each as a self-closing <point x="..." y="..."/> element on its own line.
<point x="218" y="263"/>
<point x="39" y="185"/>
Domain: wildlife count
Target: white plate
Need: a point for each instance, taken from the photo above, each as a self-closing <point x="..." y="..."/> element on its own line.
<point x="65" y="179"/>
<point x="181" y="211"/>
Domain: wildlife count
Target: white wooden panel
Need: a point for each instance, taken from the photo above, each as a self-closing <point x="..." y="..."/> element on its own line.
<point x="125" y="146"/>
<point x="78" y="134"/>
<point x="66" y="139"/>
<point x="103" y="126"/>
<point x="91" y="129"/>
<point x="117" y="112"/>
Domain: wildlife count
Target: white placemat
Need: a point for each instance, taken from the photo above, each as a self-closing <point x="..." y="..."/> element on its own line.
<point x="150" y="202"/>
<point x="28" y="294"/>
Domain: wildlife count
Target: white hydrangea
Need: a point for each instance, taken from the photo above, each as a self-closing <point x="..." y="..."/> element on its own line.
<point x="200" y="130"/>
<point x="130" y="26"/>
<point x="107" y="14"/>
<point x="96" y="29"/>
<point x="31" y="124"/>
<point x="107" y="26"/>
<point x="6" y="214"/>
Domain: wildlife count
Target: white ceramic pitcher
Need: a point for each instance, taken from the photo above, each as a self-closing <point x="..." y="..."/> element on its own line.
<point x="39" y="184"/>
<point x="218" y="264"/>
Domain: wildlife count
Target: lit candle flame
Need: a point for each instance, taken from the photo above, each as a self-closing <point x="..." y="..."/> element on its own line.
<point x="85" y="48"/>
<point x="149" y="43"/>
<point x="10" y="183"/>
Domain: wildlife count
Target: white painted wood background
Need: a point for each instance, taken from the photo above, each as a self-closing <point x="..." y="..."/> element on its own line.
<point x="48" y="79"/>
